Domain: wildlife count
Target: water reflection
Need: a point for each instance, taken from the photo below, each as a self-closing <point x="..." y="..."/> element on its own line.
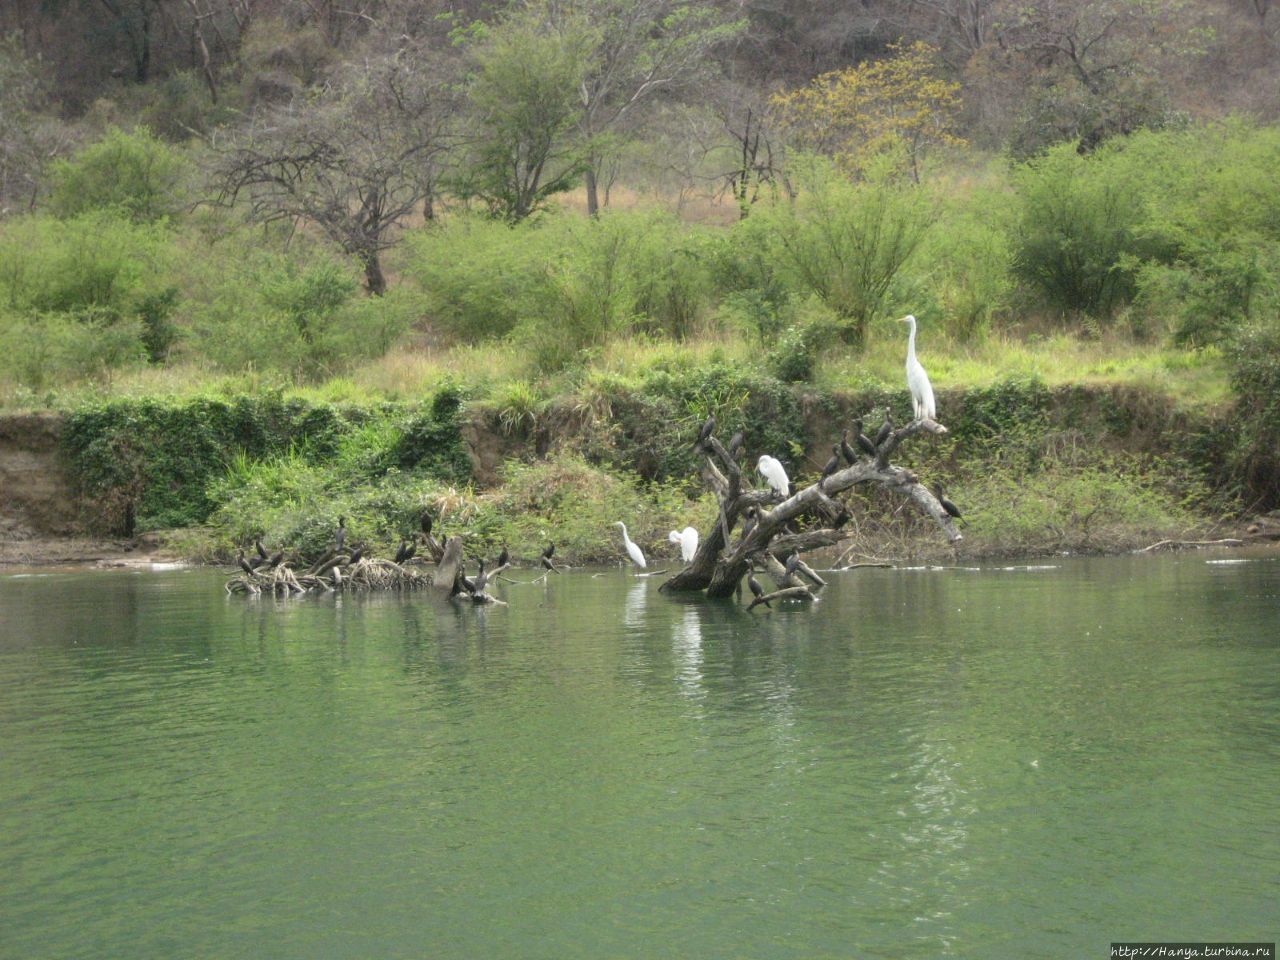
<point x="686" y="645"/>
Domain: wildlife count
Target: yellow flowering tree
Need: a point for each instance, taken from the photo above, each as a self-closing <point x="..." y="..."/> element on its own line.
<point x="856" y="115"/>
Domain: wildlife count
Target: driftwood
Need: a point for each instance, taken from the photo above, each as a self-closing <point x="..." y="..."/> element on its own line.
<point x="799" y="593"/>
<point x="721" y="562"/>
<point x="333" y="574"/>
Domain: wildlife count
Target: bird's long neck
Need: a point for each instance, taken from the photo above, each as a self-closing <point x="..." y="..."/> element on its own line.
<point x="911" y="340"/>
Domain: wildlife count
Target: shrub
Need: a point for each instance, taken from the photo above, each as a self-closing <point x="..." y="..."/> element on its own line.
<point x="133" y="173"/>
<point x="1254" y="456"/>
<point x="1078" y="229"/>
<point x="844" y="243"/>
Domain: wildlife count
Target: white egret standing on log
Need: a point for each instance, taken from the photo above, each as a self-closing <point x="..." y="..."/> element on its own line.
<point x="774" y="474"/>
<point x="688" y="540"/>
<point x="917" y="379"/>
<point x="634" y="552"/>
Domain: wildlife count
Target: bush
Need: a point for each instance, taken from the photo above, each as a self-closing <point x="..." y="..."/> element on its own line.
<point x="132" y="173"/>
<point x="296" y="311"/>
<point x="1079" y="234"/>
<point x="844" y="243"/>
<point x="1254" y="457"/>
<point x="566" y="282"/>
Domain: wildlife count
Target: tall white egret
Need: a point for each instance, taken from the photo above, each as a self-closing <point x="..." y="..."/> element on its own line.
<point x="774" y="474"/>
<point x="688" y="540"/>
<point x="634" y="552"/>
<point x="917" y="380"/>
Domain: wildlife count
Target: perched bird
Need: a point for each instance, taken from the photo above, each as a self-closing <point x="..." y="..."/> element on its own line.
<point x="792" y="564"/>
<point x="688" y="540"/>
<point x="356" y="554"/>
<point x="340" y="535"/>
<point x="736" y="443"/>
<point x="864" y="442"/>
<point x="426" y="522"/>
<point x="262" y="551"/>
<point x="886" y="428"/>
<point x="481" y="581"/>
<point x="947" y="503"/>
<point x="832" y="465"/>
<point x="634" y="552"/>
<point x="244" y="564"/>
<point x="757" y="591"/>
<point x="774" y="474"/>
<point x="546" y="560"/>
<point x="275" y="561"/>
<point x="409" y="553"/>
<point x="504" y="557"/>
<point x="404" y="552"/>
<point x="707" y="427"/>
<point x="749" y="524"/>
<point x="467" y="582"/>
<point x="850" y="455"/>
<point x="917" y="380"/>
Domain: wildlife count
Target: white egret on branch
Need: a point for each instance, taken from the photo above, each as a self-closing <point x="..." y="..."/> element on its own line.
<point x="774" y="474"/>
<point x="917" y="379"/>
<point x="634" y="552"/>
<point x="688" y="540"/>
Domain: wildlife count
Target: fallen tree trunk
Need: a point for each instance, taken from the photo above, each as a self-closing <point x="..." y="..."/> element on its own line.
<point x="721" y="563"/>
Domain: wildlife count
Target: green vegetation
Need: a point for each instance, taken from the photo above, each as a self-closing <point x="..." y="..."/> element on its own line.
<point x="319" y="253"/>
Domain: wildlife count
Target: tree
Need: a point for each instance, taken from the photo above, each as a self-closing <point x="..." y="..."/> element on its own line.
<point x="354" y="162"/>
<point x="523" y="101"/>
<point x="1094" y="68"/>
<point x="23" y="152"/>
<point x="642" y="49"/>
<point x="857" y="114"/>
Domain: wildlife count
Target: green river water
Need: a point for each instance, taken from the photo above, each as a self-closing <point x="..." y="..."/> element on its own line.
<point x="1025" y="762"/>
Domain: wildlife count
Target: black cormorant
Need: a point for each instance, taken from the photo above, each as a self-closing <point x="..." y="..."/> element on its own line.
<point x="864" y="443"/>
<point x="832" y="465"/>
<point x="757" y="591"/>
<point x="850" y="456"/>
<point x="707" y="427"/>
<point x="886" y="428"/>
<point x="947" y="503"/>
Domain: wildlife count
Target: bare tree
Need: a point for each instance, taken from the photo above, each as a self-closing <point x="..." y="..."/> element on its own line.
<point x="805" y="520"/>
<point x="355" y="162"/>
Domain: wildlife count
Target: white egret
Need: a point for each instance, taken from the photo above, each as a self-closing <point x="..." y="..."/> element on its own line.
<point x="634" y="552"/>
<point x="917" y="379"/>
<point x="774" y="474"/>
<point x="688" y="540"/>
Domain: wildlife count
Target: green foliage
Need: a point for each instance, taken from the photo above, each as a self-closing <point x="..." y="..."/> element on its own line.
<point x="178" y="462"/>
<point x="1078" y="230"/>
<point x="567" y="283"/>
<point x="970" y="265"/>
<point x="525" y="98"/>
<point x="1254" y="456"/>
<point x="431" y="440"/>
<point x="81" y="298"/>
<point x="843" y="242"/>
<point x="135" y="174"/>
<point x="1217" y="230"/>
<point x="296" y="311"/>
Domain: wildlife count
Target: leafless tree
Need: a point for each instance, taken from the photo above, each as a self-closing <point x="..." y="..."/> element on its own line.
<point x="355" y="162"/>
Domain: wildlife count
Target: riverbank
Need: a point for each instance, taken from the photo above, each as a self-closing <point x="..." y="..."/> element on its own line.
<point x="1039" y="471"/>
